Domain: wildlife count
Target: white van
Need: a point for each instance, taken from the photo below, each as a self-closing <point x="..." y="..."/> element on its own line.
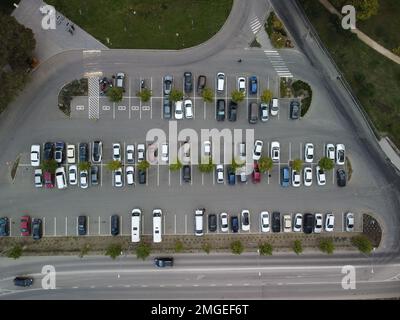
<point x="157" y="215"/>
<point x="135" y="220"/>
<point x="220" y="82"/>
<point x="198" y="222"/>
<point x="60" y="178"/>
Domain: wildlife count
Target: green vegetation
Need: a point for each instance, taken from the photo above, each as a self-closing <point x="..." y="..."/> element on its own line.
<point x="237" y="96"/>
<point x="276" y="32"/>
<point x="326" y="245"/>
<point x="265" y="249"/>
<point x="265" y="164"/>
<point x="285" y="88"/>
<point x="49" y="165"/>
<point x="326" y="164"/>
<point x="114" y="165"/>
<point x="178" y="246"/>
<point x="365" y="8"/>
<point x="142" y="251"/>
<point x="143" y="165"/>
<point x="303" y="90"/>
<point x="74" y="88"/>
<point x="207" y="167"/>
<point x="84" y="251"/>
<point x="237" y="247"/>
<point x="206" y="247"/>
<point x="235" y="165"/>
<point x="144" y="95"/>
<point x="15" y="252"/>
<point x="176" y="95"/>
<point x="266" y="96"/>
<point x="150" y="24"/>
<point x="349" y="169"/>
<point x="84" y="165"/>
<point x="175" y="166"/>
<point x="208" y="95"/>
<point x="115" y="94"/>
<point x="297" y="247"/>
<point x="297" y="164"/>
<point x="114" y="250"/>
<point x="362" y="243"/>
<point x="377" y="90"/>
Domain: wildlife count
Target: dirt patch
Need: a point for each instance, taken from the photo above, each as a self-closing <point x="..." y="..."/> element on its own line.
<point x="349" y="169"/>
<point x="372" y="229"/>
<point x="15" y="167"/>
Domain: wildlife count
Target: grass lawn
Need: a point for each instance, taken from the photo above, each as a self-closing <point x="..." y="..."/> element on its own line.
<point x="374" y="79"/>
<point x="7" y="6"/>
<point x="149" y="24"/>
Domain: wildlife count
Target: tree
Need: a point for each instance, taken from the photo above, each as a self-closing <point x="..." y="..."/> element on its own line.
<point x="175" y="166"/>
<point x="265" y="164"/>
<point x="206" y="167"/>
<point x="84" y="165"/>
<point x="143" y="165"/>
<point x="278" y="40"/>
<point x="114" y="165"/>
<point x="144" y="95"/>
<point x="297" y="247"/>
<point x="297" y="164"/>
<point x="366" y="8"/>
<point x="362" y="243"/>
<point x="208" y="95"/>
<point x="265" y="249"/>
<point x="49" y="165"/>
<point x="175" y="95"/>
<point x="235" y="165"/>
<point x="396" y="51"/>
<point x="237" y="247"/>
<point x="15" y="252"/>
<point x="266" y="96"/>
<point x="142" y="251"/>
<point x="178" y="246"/>
<point x="327" y="246"/>
<point x="114" y="250"/>
<point x="326" y="164"/>
<point x="206" y="247"/>
<point x="115" y="94"/>
<point x="237" y="96"/>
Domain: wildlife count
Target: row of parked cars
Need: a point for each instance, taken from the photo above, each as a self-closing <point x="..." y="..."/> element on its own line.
<point x="28" y="227"/>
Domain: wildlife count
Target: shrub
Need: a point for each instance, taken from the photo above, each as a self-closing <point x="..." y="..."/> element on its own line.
<point x="208" y="95"/>
<point x="115" y="94"/>
<point x="326" y="163"/>
<point x="144" y="95"/>
<point x="178" y="246"/>
<point x="175" y="166"/>
<point x="362" y="243"/>
<point x="266" y="96"/>
<point x="265" y="249"/>
<point x="49" y="165"/>
<point x="142" y="251"/>
<point x="176" y="95"/>
<point x="143" y="165"/>
<point x="15" y="252"/>
<point x="84" y="165"/>
<point x="114" y="165"/>
<point x="265" y="164"/>
<point x="237" y="96"/>
<point x="113" y="250"/>
<point x="297" y="247"/>
<point x="327" y="246"/>
<point x="237" y="247"/>
<point x="297" y="164"/>
<point x="206" y="247"/>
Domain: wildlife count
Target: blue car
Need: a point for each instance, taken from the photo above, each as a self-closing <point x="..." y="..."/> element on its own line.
<point x="235" y="224"/>
<point x="4" y="227"/>
<point x="231" y="176"/>
<point x="253" y="85"/>
<point x="285" y="177"/>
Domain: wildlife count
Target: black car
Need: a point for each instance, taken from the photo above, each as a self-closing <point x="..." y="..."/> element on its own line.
<point x="114" y="224"/>
<point x="308" y="223"/>
<point x="186" y="173"/>
<point x="220" y="110"/>
<point x="168" y="80"/>
<point x="201" y="84"/>
<point x="4" y="227"/>
<point x="231" y="175"/>
<point x="276" y="222"/>
<point x="232" y="111"/>
<point x="23" y="281"/>
<point x="235" y="224"/>
<point x="167" y="108"/>
<point x="188" y="80"/>
<point x="48" y="151"/>
<point x="162" y="262"/>
<point x="142" y="176"/>
<point x="82" y="225"/>
<point x="94" y="175"/>
<point x="341" y="177"/>
<point x="59" y="154"/>
<point x="212" y="222"/>
<point x="83" y="152"/>
<point x="294" y="110"/>
<point x="97" y="151"/>
<point x="37" y="229"/>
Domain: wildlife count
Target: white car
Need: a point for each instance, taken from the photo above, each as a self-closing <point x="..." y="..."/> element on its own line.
<point x="258" y="145"/>
<point x="307" y="176"/>
<point x="136" y="225"/>
<point x="287" y="223"/>
<point x="321" y="176"/>
<point x="130" y="175"/>
<point x="164" y="152"/>
<point x="219" y="171"/>
<point x="296" y="178"/>
<point x="275" y="151"/>
<point x="245" y="219"/>
<point x="274" y="107"/>
<point x="186" y="153"/>
<point x="73" y="174"/>
<point x="242" y="151"/>
<point x="224" y="222"/>
<point x="349" y="222"/>
<point x="141" y="149"/>
<point x="71" y="153"/>
<point x="318" y="223"/>
<point x="220" y="82"/>
<point x="297" y="222"/>
<point x="188" y="109"/>
<point x="157" y="225"/>
<point x="207" y="149"/>
<point x="179" y="110"/>
<point x="242" y="84"/>
<point x="84" y="179"/>
<point x="38" y="178"/>
<point x="329" y="222"/>
<point x="264" y="221"/>
<point x="118" y="181"/>
<point x="309" y="152"/>
<point x="340" y="154"/>
<point x="35" y="155"/>
<point x="330" y="151"/>
<point x="130" y="153"/>
<point x="116" y="152"/>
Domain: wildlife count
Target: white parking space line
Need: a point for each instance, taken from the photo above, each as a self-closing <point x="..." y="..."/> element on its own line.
<point x="110" y="226"/>
<point x="333" y="176"/>
<point x="76" y="225"/>
<point x="342" y="221"/>
<point x="129" y="98"/>
<point x="191" y="174"/>
<point x="44" y="226"/>
<point x="169" y="177"/>
<point x="140" y="108"/>
<point x="279" y="172"/>
<point x="99" y="224"/>
<point x="88" y="226"/>
<point x="205" y="110"/>
<point x="55" y="226"/>
<point x="268" y="177"/>
<point x="66" y="225"/>
<point x="10" y="227"/>
<point x="185" y="223"/>
<point x="147" y="177"/>
<point x="268" y="82"/>
<point x="175" y="223"/>
<point x="301" y="151"/>
<point x="158" y="174"/>
<point x="142" y="226"/>
<point x="120" y="224"/>
<point x="164" y="223"/>
<point x="101" y="173"/>
<point x="202" y="179"/>
<point x="113" y="110"/>
<point x="290" y="151"/>
<point x="151" y="99"/>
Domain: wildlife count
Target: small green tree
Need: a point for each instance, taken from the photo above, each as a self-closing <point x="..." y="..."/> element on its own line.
<point x="235" y="165"/>
<point x="265" y="249"/>
<point x="237" y="247"/>
<point x="206" y="247"/>
<point x="15" y="252"/>
<point x="266" y="96"/>
<point x="49" y="165"/>
<point x="144" y="95"/>
<point x="362" y="243"/>
<point x="115" y="94"/>
<point x="297" y="164"/>
<point x="265" y="164"/>
<point x="175" y="95"/>
<point x="237" y="96"/>
<point x="178" y="246"/>
<point x="326" y="245"/>
<point x="143" y="165"/>
<point x="297" y="247"/>
<point x="175" y="166"/>
<point x="114" y="165"/>
<point x="142" y="251"/>
<point x="84" y="250"/>
<point x="326" y="163"/>
<point x="206" y="167"/>
<point x="208" y="95"/>
<point x="114" y="250"/>
<point x="84" y="165"/>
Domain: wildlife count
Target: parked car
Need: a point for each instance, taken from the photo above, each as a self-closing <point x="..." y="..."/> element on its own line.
<point x="275" y="151"/>
<point x="168" y="80"/>
<point x="25" y="226"/>
<point x="207" y="149"/>
<point x="220" y="82"/>
<point x="38" y="178"/>
<point x="61" y="178"/>
<point x="274" y="104"/>
<point x="142" y="176"/>
<point x="157" y="225"/>
<point x="167" y="108"/>
<point x="130" y="175"/>
<point x="201" y="84"/>
<point x="188" y="81"/>
<point x="83" y="179"/>
<point x="256" y="175"/>
<point x="287" y="223"/>
<point x="59" y="154"/>
<point x="241" y="85"/>
<point x="245" y="219"/>
<point x="83" y="152"/>
<point x="199" y="222"/>
<point x="73" y="175"/>
<point x="340" y="154"/>
<point x="141" y="151"/>
<point x="296" y="178"/>
<point x="329" y="222"/>
<point x="231" y="175"/>
<point x="321" y="177"/>
<point x="4" y="227"/>
<point x="117" y="152"/>
<point x="253" y="85"/>
<point x="234" y="224"/>
<point x="276" y="222"/>
<point x="188" y="109"/>
<point x="97" y="151"/>
<point x="349" y="222"/>
<point x="164" y="152"/>
<point x="242" y="174"/>
<point x="309" y="152"/>
<point x="242" y="151"/>
<point x="23" y="281"/>
<point x="257" y="151"/>
<point x="307" y="176"/>
<point x="114" y="225"/>
<point x="130" y="153"/>
<point x="232" y="111"/>
<point x="186" y="153"/>
<point x="219" y="172"/>
<point x="186" y="173"/>
<point x="179" y="110"/>
<point x="294" y="110"/>
<point x="224" y="222"/>
<point x="264" y="221"/>
<point x="118" y="180"/>
<point x="71" y="154"/>
<point x="264" y="112"/>
<point x="120" y="81"/>
<point x="220" y="110"/>
<point x="253" y="113"/>
<point x="48" y="151"/>
<point x="163" y="262"/>
<point x="48" y="180"/>
<point x="308" y="223"/>
<point x="330" y="151"/>
<point x="136" y="224"/>
<point x="341" y="177"/>
<point x="82" y="228"/>
<point x="212" y="222"/>
<point x="285" y="177"/>
<point x="94" y="175"/>
<point x="297" y="222"/>
<point x="37" y="229"/>
<point x="318" y="223"/>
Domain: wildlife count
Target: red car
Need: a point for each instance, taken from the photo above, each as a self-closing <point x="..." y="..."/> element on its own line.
<point x="48" y="180"/>
<point x="256" y="175"/>
<point x="25" y="226"/>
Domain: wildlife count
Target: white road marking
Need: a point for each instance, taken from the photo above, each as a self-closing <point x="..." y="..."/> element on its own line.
<point x="185" y="223"/>
<point x="55" y="226"/>
<point x="44" y="226"/>
<point x="99" y="224"/>
<point x="88" y="226"/>
<point x="158" y="174"/>
<point x="113" y="110"/>
<point x="76" y="225"/>
<point x="175" y="223"/>
<point x="66" y="225"/>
